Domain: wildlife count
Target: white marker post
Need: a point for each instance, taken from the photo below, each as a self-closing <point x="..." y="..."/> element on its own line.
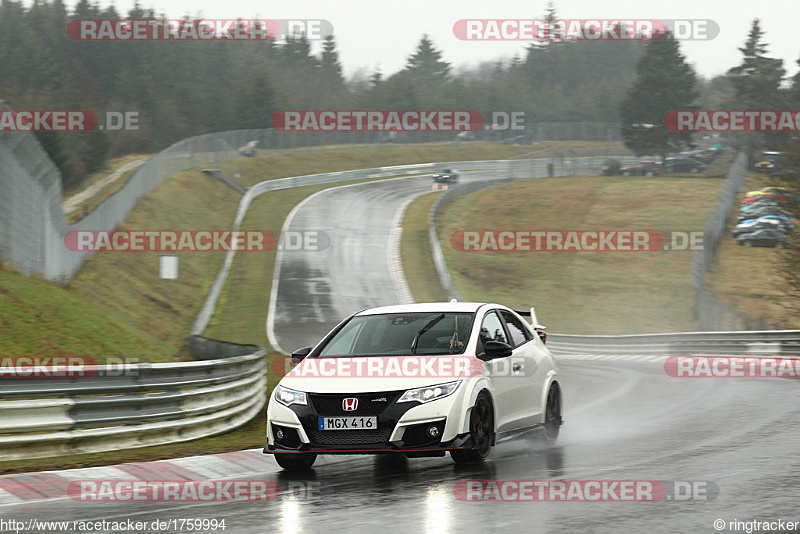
<point x="168" y="269"/>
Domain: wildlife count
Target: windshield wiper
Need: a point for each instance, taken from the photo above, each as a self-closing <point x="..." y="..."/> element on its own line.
<point x="424" y="329"/>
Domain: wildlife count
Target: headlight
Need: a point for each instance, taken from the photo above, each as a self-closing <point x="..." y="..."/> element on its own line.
<point x="429" y="393"/>
<point x="287" y="397"/>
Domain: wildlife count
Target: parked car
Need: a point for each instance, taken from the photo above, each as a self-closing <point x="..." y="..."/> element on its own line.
<point x="684" y="165"/>
<point x="768" y="161"/>
<point x="642" y="168"/>
<point x="612" y="167"/>
<point x="786" y="222"/>
<point x="760" y="204"/>
<point x="703" y="156"/>
<point x="751" y="225"/>
<point x="764" y="195"/>
<point x="764" y="237"/>
<point x="763" y="212"/>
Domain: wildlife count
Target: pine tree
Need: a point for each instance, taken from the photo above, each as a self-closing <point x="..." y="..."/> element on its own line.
<point x="757" y="80"/>
<point x="665" y="82"/>
<point x="426" y="63"/>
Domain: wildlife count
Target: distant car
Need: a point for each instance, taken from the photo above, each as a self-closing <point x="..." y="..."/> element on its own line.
<point x="642" y="168"/>
<point x="765" y="237"/>
<point x="768" y="161"/>
<point x="684" y="165"/>
<point x="447" y="176"/>
<point x="751" y="225"/>
<point x="611" y="167"/>
<point x="248" y="150"/>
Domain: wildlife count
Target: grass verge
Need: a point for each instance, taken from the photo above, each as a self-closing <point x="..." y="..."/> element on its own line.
<point x="578" y="292"/>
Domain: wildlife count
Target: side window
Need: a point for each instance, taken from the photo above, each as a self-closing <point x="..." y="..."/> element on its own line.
<point x="519" y="334"/>
<point x="491" y="330"/>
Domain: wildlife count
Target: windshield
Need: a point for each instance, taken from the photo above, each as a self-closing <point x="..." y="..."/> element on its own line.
<point x="394" y="334"/>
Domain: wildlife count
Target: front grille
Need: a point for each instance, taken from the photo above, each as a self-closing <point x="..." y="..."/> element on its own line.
<point x="331" y="404"/>
<point x="350" y="437"/>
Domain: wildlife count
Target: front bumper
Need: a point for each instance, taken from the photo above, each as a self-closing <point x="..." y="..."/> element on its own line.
<point x="404" y="428"/>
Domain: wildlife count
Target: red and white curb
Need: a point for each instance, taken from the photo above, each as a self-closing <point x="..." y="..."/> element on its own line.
<point x="31" y="488"/>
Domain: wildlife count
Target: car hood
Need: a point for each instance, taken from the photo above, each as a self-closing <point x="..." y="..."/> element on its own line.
<point x="306" y="378"/>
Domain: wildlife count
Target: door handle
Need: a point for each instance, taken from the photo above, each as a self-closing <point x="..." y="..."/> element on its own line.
<point x="516" y="367"/>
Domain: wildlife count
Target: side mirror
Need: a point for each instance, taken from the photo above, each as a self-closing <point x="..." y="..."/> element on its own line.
<point x="496" y="349"/>
<point x="300" y="354"/>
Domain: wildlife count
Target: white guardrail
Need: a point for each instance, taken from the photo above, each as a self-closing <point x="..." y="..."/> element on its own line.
<point x="114" y="407"/>
<point x="757" y="343"/>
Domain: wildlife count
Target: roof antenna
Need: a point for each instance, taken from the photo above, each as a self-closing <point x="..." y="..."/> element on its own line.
<point x="453" y="301"/>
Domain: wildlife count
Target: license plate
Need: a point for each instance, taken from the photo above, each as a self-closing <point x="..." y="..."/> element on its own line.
<point x="348" y="423"/>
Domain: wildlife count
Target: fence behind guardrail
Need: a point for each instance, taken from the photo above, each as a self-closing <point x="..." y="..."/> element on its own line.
<point x="711" y="313"/>
<point x="33" y="223"/>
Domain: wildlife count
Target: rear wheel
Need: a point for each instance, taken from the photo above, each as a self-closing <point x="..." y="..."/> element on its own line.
<point x="296" y="462"/>
<point x="481" y="430"/>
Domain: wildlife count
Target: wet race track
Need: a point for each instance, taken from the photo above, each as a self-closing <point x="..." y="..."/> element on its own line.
<point x="736" y="440"/>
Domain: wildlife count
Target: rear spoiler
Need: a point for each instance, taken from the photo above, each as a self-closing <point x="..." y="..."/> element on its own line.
<point x="532" y="315"/>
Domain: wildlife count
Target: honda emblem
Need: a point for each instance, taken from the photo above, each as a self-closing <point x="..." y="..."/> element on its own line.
<point x="349" y="404"/>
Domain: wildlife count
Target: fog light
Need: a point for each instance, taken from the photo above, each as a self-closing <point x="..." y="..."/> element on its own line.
<point x="279" y="434"/>
<point x="433" y="431"/>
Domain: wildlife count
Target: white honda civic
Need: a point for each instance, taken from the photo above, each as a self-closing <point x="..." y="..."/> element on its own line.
<point x="419" y="380"/>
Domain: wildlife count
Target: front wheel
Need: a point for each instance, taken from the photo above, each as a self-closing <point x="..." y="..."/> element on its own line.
<point x="296" y="462"/>
<point x="481" y="430"/>
<point x="552" y="415"/>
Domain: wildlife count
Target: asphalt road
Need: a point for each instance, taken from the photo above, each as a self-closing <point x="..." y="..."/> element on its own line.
<point x="314" y="289"/>
<point x="624" y="421"/>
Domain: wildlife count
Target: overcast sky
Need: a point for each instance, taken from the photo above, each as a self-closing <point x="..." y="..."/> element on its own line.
<point x="374" y="33"/>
